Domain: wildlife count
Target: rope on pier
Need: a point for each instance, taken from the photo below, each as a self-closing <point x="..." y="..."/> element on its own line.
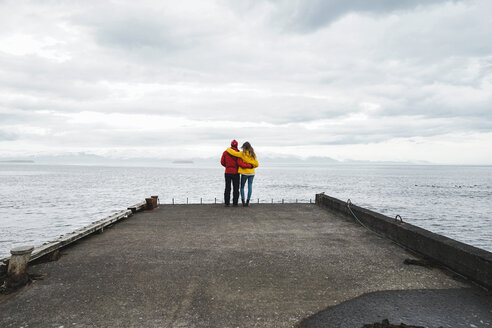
<point x="374" y="232"/>
<point x="349" y="203"/>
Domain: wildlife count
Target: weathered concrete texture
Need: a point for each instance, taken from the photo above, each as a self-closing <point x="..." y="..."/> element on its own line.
<point x="422" y="308"/>
<point x="211" y="266"/>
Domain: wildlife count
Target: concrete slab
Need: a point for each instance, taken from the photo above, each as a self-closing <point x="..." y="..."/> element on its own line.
<point x="212" y="266"/>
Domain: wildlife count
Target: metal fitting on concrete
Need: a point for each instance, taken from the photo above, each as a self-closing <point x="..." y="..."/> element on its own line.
<point x="16" y="272"/>
<point x="150" y="203"/>
<point x="155" y="201"/>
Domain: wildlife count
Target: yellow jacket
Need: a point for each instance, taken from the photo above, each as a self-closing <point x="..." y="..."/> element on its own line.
<point x="247" y="158"/>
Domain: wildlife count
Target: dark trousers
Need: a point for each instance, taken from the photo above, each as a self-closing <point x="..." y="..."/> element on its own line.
<point x="234" y="179"/>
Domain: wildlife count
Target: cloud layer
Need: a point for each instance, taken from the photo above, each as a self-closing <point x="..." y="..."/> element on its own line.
<point x="404" y="80"/>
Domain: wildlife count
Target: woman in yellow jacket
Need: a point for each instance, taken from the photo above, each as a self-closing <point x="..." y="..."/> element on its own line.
<point x="248" y="156"/>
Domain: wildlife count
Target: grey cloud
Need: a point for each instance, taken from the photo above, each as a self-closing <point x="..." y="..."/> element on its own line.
<point x="347" y="134"/>
<point x="32" y="76"/>
<point x="139" y="29"/>
<point x="5" y="136"/>
<point x="306" y="16"/>
<point x="102" y="137"/>
<point x="8" y="118"/>
<point x="134" y="33"/>
<point x="446" y="41"/>
<point x="423" y="103"/>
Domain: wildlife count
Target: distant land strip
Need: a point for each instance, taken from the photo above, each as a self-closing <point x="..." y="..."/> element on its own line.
<point x="17" y="161"/>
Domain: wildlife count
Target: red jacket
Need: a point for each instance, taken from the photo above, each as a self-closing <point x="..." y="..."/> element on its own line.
<point x="231" y="162"/>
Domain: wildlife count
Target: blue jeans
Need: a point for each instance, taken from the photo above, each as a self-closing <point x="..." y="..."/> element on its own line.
<point x="249" y="178"/>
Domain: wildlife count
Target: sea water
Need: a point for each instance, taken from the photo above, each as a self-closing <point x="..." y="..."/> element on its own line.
<point x="40" y="202"/>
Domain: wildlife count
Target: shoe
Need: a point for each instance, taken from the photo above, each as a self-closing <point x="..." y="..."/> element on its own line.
<point x="247" y="202"/>
<point x="242" y="201"/>
<point x="226" y="205"/>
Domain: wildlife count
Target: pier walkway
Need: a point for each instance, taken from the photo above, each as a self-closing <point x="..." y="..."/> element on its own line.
<point x="280" y="265"/>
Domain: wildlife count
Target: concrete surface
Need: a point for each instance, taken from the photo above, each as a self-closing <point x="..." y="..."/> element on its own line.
<point x="469" y="261"/>
<point x="212" y="266"/>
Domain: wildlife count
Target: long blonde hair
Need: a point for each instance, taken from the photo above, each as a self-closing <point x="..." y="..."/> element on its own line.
<point x="246" y="147"/>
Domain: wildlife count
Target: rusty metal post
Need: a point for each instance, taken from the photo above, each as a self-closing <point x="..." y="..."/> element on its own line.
<point x="16" y="272"/>
<point x="150" y="203"/>
<point x="155" y="201"/>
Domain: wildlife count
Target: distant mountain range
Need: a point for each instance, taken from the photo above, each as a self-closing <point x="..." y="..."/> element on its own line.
<point x="16" y="161"/>
<point x="91" y="159"/>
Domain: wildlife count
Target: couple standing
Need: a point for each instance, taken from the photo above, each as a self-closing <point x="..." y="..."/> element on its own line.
<point x="238" y="162"/>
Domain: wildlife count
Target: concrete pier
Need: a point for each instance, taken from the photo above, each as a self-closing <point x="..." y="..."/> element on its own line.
<point x="282" y="265"/>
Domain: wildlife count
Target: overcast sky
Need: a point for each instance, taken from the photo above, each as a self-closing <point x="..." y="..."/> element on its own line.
<point x="379" y="80"/>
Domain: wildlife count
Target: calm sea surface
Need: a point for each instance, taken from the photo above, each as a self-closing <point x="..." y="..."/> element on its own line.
<point x="39" y="203"/>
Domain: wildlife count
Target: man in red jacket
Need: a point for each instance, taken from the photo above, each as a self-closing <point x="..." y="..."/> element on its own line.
<point x="231" y="175"/>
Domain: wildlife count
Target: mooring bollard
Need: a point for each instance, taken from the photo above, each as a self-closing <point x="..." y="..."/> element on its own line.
<point x="150" y="203"/>
<point x="16" y="272"/>
<point x="155" y="201"/>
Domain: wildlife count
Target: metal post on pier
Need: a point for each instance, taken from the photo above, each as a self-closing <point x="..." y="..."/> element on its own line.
<point x="200" y="201"/>
<point x="173" y="201"/>
<point x="186" y="200"/>
<point x="155" y="201"/>
<point x="149" y="201"/>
